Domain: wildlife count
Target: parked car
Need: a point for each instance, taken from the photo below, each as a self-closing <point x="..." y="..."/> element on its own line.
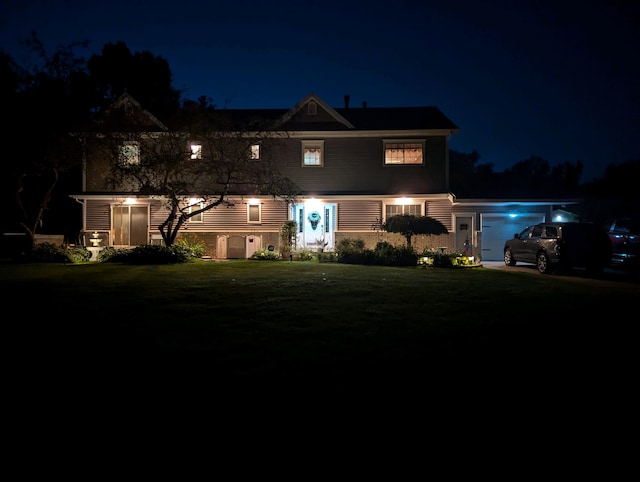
<point x="560" y="246"/>
<point x="624" y="234"/>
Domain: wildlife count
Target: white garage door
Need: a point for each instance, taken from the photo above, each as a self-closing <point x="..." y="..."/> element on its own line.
<point x="497" y="228"/>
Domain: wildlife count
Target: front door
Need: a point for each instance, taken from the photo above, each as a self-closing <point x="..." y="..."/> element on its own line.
<point x="316" y="226"/>
<point x="464" y="234"/>
<point x="130" y="225"/>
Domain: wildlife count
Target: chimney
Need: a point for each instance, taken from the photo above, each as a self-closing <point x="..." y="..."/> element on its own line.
<point x="346" y="101"/>
<point x="364" y="104"/>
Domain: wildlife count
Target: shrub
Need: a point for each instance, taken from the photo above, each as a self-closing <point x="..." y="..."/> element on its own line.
<point x="403" y="256"/>
<point x="192" y="244"/>
<point x="327" y="257"/>
<point x="78" y="254"/>
<point x="146" y="254"/>
<point x="352" y="251"/>
<point x="305" y="255"/>
<point x="112" y="255"/>
<point x="438" y="259"/>
<point x="265" y="255"/>
<point x="55" y="253"/>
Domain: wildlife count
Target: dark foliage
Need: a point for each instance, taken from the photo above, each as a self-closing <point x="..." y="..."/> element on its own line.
<point x="54" y="253"/>
<point x="146" y="254"/>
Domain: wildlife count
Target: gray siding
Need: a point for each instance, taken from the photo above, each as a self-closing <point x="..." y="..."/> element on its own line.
<point x="356" y="166"/>
<point x="98" y="215"/>
<point x="440" y="210"/>
<point x="358" y="215"/>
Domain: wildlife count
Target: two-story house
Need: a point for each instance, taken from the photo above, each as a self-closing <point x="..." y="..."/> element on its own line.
<point x="355" y="167"/>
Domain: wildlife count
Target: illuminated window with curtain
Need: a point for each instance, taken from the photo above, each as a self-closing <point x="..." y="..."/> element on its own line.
<point x="130" y="153"/>
<point x="312" y="153"/>
<point x="254" y="212"/>
<point x="395" y="209"/>
<point x="196" y="151"/>
<point x="401" y="152"/>
<point x="255" y="152"/>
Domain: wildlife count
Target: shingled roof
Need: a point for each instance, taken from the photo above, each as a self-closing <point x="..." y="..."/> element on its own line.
<point x="349" y="118"/>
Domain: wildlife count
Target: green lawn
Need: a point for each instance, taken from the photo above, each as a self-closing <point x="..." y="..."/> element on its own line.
<point x="309" y="324"/>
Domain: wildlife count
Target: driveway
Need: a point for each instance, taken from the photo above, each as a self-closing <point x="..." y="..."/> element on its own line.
<point x="609" y="274"/>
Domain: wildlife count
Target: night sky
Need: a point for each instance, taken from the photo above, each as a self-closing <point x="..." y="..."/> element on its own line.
<point x="555" y="79"/>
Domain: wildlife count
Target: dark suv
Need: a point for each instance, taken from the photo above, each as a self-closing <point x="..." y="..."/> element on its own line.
<point x="624" y="234"/>
<point x="560" y="246"/>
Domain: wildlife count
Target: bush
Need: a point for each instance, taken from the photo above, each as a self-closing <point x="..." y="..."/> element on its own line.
<point x="352" y="251"/>
<point x="327" y="257"/>
<point x="438" y="259"/>
<point x="304" y="255"/>
<point x="113" y="255"/>
<point x="146" y="254"/>
<point x="55" y="253"/>
<point x="265" y="255"/>
<point x="192" y="244"/>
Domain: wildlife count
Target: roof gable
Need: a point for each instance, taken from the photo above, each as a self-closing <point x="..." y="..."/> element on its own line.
<point x="130" y="108"/>
<point x="303" y="113"/>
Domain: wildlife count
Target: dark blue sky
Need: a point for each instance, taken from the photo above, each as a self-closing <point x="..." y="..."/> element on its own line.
<point x="555" y="79"/>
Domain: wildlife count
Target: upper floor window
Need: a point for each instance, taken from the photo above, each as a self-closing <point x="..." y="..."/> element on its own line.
<point x="130" y="153"/>
<point x="312" y="153"/>
<point x="312" y="108"/>
<point x="196" y="218"/>
<point x="196" y="151"/>
<point x="254" y="212"/>
<point x="255" y="152"/>
<point x="403" y="152"/>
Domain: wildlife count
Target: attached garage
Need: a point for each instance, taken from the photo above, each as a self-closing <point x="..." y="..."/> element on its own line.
<point x="498" y="227"/>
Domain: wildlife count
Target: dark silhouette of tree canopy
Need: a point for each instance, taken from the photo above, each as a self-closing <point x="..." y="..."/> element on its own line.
<point x="41" y="108"/>
<point x="615" y="195"/>
<point x="143" y="75"/>
<point x="45" y="100"/>
<point x="531" y="178"/>
<point x="409" y="225"/>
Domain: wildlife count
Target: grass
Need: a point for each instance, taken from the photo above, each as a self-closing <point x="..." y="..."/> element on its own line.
<point x="309" y="324"/>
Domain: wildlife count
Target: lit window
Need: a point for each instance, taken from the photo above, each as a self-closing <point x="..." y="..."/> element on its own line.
<point x="254" y="212"/>
<point x="312" y="153"/>
<point x="196" y="218"/>
<point x="196" y="151"/>
<point x="130" y="153"/>
<point x="403" y="153"/>
<point x="255" y="152"/>
<point x="396" y="209"/>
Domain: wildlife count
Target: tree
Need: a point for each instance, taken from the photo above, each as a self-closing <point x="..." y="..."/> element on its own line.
<point x="409" y="224"/>
<point x="41" y="107"/>
<point x="224" y="167"/>
<point x="146" y="77"/>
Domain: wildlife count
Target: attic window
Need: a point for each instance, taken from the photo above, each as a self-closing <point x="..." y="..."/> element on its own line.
<point x="399" y="152"/>
<point x="312" y="108"/>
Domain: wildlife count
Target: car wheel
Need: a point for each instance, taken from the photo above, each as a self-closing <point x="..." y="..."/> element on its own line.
<point x="542" y="261"/>
<point x="508" y="258"/>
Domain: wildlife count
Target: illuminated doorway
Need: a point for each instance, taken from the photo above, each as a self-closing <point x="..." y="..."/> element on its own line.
<point x="316" y="224"/>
